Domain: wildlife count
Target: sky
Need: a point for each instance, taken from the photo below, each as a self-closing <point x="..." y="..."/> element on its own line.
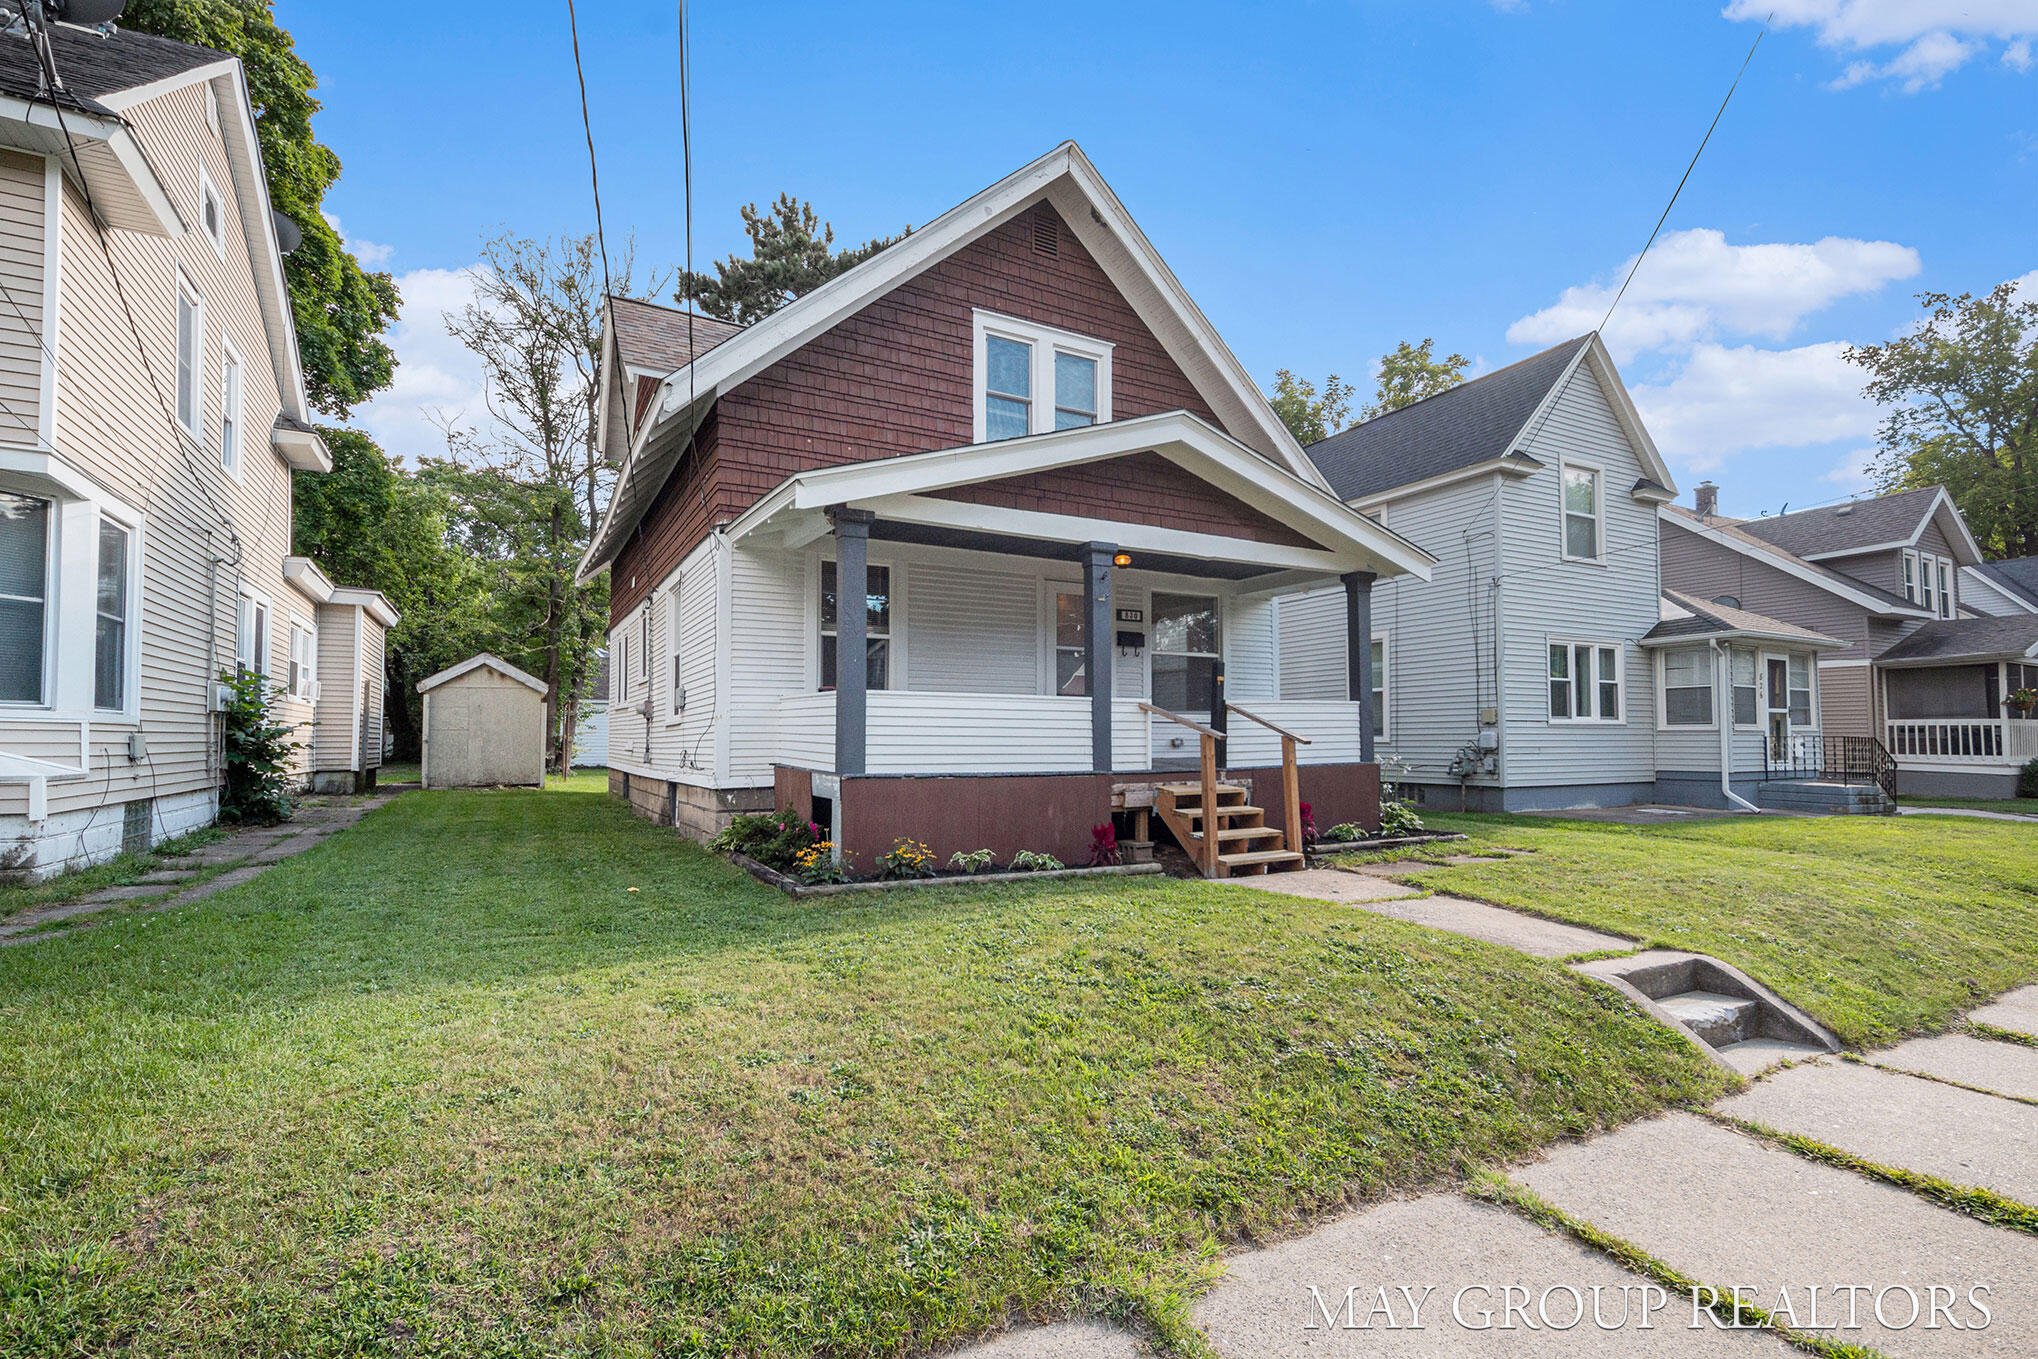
<point x="1327" y="179"/>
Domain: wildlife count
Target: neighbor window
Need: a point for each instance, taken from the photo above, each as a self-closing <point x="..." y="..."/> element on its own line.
<point x="674" y="663"/>
<point x="1801" y="692"/>
<point x="622" y="667"/>
<point x="1581" y="513"/>
<point x="190" y="331"/>
<point x="303" y="661"/>
<point x="1931" y="599"/>
<point x="109" y="654"/>
<point x="1747" y="689"/>
<point x="1911" y="577"/>
<point x="252" y="637"/>
<point x="1071" y="674"/>
<point x="1184" y="651"/>
<point x="877" y="623"/>
<point x="211" y="213"/>
<point x="1687" y="687"/>
<point x="230" y="413"/>
<point x="1378" y="684"/>
<point x="24" y="597"/>
<point x="1945" y="571"/>
<point x="1032" y="379"/>
<point x="1585" y="682"/>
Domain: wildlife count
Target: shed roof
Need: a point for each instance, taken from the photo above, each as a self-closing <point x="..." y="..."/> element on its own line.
<point x="1689" y="618"/>
<point x="472" y="663"/>
<point x="655" y="337"/>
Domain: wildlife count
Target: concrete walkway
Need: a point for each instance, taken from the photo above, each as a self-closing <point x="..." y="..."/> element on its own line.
<point x="1964" y="811"/>
<point x="1708" y="1200"/>
<point x="245" y="854"/>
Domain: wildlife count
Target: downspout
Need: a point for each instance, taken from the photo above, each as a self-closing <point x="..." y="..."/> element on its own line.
<point x="1723" y="667"/>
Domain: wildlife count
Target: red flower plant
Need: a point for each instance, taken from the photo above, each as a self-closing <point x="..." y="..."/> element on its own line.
<point x="1104" y="844"/>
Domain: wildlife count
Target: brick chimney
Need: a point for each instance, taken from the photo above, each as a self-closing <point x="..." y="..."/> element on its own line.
<point x="1706" y="499"/>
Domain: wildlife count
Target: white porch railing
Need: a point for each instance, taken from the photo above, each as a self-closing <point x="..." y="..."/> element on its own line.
<point x="912" y="732"/>
<point x="1964" y="740"/>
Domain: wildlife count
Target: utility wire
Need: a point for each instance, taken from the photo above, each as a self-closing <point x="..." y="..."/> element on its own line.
<point x="587" y="126"/>
<point x="1687" y="172"/>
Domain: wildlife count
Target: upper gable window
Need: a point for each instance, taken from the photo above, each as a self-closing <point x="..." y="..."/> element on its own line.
<point x="211" y="213"/>
<point x="190" y="334"/>
<point x="1031" y="379"/>
<point x="211" y="106"/>
<point x="1582" y="517"/>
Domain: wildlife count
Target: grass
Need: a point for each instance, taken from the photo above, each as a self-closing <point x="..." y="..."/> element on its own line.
<point x="446" y="1084"/>
<point x="1880" y="927"/>
<point x="119" y="871"/>
<point x="2023" y="806"/>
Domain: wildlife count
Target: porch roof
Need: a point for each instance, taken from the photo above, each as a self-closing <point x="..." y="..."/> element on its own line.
<point x="1956" y="641"/>
<point x="1686" y="618"/>
<point x="904" y="493"/>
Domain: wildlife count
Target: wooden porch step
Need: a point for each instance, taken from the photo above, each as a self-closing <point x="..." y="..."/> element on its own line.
<point x="1225" y="833"/>
<point x="1179" y="791"/>
<point x="1194" y="815"/>
<point x="1269" y="859"/>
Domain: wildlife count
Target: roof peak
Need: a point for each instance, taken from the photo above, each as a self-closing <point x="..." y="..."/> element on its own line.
<point x="1461" y="386"/>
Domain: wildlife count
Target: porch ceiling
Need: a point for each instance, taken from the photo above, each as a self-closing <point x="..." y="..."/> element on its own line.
<point x="977" y="540"/>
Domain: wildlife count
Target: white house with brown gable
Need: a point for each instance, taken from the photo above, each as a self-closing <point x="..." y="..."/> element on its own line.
<point x="152" y="411"/>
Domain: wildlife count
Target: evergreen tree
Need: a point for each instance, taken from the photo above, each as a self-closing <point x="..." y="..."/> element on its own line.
<point x="791" y="253"/>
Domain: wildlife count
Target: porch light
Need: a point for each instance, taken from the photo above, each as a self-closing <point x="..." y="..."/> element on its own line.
<point x="1122" y="559"/>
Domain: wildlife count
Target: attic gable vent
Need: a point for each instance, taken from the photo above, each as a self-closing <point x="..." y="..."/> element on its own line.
<point x="1046" y="235"/>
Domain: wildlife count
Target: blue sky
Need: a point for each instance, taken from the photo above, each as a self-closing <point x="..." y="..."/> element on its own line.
<point x="1326" y="179"/>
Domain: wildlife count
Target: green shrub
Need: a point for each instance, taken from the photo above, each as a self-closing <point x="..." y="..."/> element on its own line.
<point x="1033" y="861"/>
<point x="970" y="861"/>
<point x="1398" y="818"/>
<point x="774" y="839"/>
<point x="906" y="859"/>
<point x="2027" y="779"/>
<point x="257" y="787"/>
<point x="1344" y="832"/>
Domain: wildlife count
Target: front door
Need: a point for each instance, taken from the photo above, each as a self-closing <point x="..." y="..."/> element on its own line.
<point x="1777" y="671"/>
<point x="1184" y="654"/>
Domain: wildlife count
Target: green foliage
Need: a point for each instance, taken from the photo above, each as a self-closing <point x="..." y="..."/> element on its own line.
<point x="1962" y="388"/>
<point x="1344" y="832"/>
<point x="2027" y="779"/>
<point x="791" y="254"/>
<point x="370" y="523"/>
<point x="258" y="751"/>
<point x="970" y="861"/>
<point x="774" y="839"/>
<point x="341" y="310"/>
<point x="1311" y="417"/>
<point x="1398" y="818"/>
<point x="1035" y="861"/>
<point x="818" y="864"/>
<point x="905" y="859"/>
<point x="1410" y="374"/>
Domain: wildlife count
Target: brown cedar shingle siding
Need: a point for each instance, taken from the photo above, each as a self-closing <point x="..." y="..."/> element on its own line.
<point x="1144" y="488"/>
<point x="893" y="379"/>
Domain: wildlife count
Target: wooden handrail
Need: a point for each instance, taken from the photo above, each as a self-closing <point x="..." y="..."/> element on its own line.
<point x="1196" y="727"/>
<point x="1277" y="730"/>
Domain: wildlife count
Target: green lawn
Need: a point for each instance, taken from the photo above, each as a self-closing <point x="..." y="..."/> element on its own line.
<point x="1879" y="926"/>
<point x="2026" y="806"/>
<point x="119" y="871"/>
<point x="446" y="1084"/>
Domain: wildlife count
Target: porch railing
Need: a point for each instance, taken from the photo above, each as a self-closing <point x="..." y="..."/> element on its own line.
<point x="1291" y="778"/>
<point x="1832" y="759"/>
<point x="1965" y="740"/>
<point x="1210" y="847"/>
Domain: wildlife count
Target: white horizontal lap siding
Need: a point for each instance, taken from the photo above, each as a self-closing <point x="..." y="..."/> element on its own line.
<point x="768" y="661"/>
<point x="804" y="731"/>
<point x="336" y="727"/>
<point x="21" y="273"/>
<point x="1251" y="654"/>
<point x="1546" y="598"/>
<point x="1331" y="727"/>
<point x="972" y="631"/>
<point x="682" y="743"/>
<point x="1312" y="630"/>
<point x="1131" y="734"/>
<point x="920" y="733"/>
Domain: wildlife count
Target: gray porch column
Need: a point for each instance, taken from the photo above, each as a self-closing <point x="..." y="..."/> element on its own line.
<point x="1099" y="644"/>
<point x="1359" y="653"/>
<point x="852" y="663"/>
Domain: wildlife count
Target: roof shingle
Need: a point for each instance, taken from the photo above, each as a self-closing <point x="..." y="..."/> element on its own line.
<point x="1952" y="640"/>
<point x="92" y="66"/>
<point x="2018" y="575"/>
<point x="1709" y="618"/>
<point x="655" y="337"/>
<point x="1849" y="527"/>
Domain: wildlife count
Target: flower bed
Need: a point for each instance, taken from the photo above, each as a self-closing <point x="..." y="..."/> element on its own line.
<point x="793" y="887"/>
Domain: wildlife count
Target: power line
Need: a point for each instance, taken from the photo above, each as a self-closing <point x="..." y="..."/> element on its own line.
<point x="587" y="126"/>
<point x="1687" y="173"/>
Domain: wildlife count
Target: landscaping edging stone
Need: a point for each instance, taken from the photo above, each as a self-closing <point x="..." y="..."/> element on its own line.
<point x="1326" y="848"/>
<point x="771" y="877"/>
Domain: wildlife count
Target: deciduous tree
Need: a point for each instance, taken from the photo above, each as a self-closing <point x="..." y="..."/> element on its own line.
<point x="1412" y="373"/>
<point x="1308" y="415"/>
<point x="1962" y="392"/>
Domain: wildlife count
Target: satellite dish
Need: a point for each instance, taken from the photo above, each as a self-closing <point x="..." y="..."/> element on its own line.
<point x="89" y="13"/>
<point x="288" y="234"/>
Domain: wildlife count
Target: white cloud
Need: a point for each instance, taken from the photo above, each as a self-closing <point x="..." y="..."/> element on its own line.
<point x="370" y="254"/>
<point x="1694" y="287"/>
<point x="2027" y="286"/>
<point x="1730" y="400"/>
<point x="437" y="379"/>
<point x="1854" y="473"/>
<point x="1937" y="37"/>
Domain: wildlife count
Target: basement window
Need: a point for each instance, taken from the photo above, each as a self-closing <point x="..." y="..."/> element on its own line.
<point x="1034" y="379"/>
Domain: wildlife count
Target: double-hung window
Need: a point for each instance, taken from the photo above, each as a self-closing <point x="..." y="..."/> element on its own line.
<point x="675" y="662"/>
<point x="1945" y="573"/>
<point x="877" y="624"/>
<point x="1378" y="683"/>
<point x="25" y="523"/>
<point x="190" y="337"/>
<point x="1071" y="660"/>
<point x="1582" y="520"/>
<point x="230" y="412"/>
<point x="1747" y="689"/>
<point x="111" y="604"/>
<point x="1185" y="651"/>
<point x="303" y="661"/>
<point x="251" y="647"/>
<point x="1687" y="687"/>
<point x="1911" y="577"/>
<point x="1032" y="379"/>
<point x="1585" y="682"/>
<point x="1801" y="691"/>
<point x="622" y="667"/>
<point x="211" y="213"/>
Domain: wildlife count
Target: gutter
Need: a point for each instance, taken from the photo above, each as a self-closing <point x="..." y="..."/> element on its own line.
<point x="1723" y="668"/>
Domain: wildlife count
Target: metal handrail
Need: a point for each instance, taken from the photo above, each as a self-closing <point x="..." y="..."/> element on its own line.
<point x="1277" y="730"/>
<point x="1196" y="727"/>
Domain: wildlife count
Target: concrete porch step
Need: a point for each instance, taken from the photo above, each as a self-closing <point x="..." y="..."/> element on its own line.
<point x="1718" y="1020"/>
<point x="1814" y="795"/>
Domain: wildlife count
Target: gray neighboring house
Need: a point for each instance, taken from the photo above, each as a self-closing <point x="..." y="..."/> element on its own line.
<point x="591" y="731"/>
<point x="1930" y="660"/>
<point x="2001" y="588"/>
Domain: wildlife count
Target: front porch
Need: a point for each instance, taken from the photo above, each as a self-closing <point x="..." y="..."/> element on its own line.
<point x="1955" y="730"/>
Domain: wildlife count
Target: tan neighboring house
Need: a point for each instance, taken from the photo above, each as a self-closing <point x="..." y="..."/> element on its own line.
<point x="152" y="411"/>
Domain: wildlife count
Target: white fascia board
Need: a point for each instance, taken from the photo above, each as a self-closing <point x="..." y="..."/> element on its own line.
<point x="302" y="449"/>
<point x="129" y="192"/>
<point x="127" y="151"/>
<point x="308" y="580"/>
<point x="1066" y="528"/>
<point x="1616" y="392"/>
<point x="374" y="601"/>
<point x="1516" y="464"/>
<point x="489" y="659"/>
<point x="120" y="101"/>
<point x="1790" y="566"/>
<point x="1747" y="635"/>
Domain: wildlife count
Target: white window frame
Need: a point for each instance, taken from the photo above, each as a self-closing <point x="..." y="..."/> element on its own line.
<point x="77" y="506"/>
<point x="675" y="656"/>
<point x="895" y="678"/>
<point x="186" y="292"/>
<point x="1383" y="697"/>
<point x="1598" y="645"/>
<point x="52" y="564"/>
<point x="1913" y="570"/>
<point x="131" y="621"/>
<point x="1045" y="341"/>
<point x="1761" y="683"/>
<point x="1712" y="670"/>
<point x="207" y="193"/>
<point x="301" y="672"/>
<point x="254" y="609"/>
<point x="1564" y="511"/>
<point x="232" y="408"/>
<point x="619" y="649"/>
<point x="1811" y="662"/>
<point x="1947" y="575"/>
<point x="211" y="106"/>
